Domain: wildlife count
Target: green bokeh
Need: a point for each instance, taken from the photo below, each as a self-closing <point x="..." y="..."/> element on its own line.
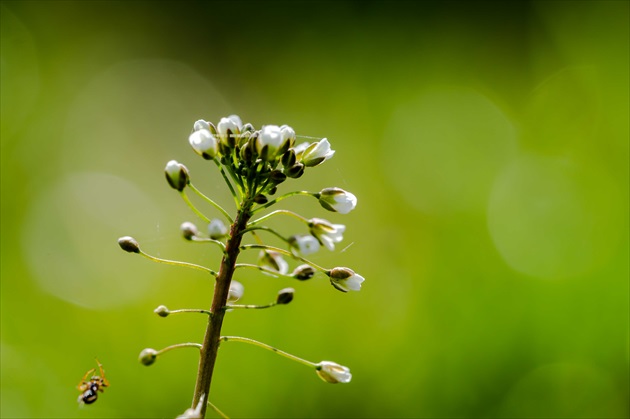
<point x="487" y="143"/>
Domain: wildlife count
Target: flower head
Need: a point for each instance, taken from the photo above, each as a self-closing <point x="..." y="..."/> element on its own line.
<point x="345" y="279"/>
<point x="204" y="143"/>
<point x="326" y="233"/>
<point x="285" y="296"/>
<point x="304" y="243"/>
<point x="337" y="200"/>
<point x="331" y="372"/>
<point x="176" y="175"/>
<point x="317" y="153"/>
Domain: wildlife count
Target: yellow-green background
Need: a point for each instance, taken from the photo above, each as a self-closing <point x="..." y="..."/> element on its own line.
<point x="487" y="143"/>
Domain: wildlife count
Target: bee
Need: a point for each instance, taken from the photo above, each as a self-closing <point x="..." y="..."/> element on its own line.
<point x="91" y="388"/>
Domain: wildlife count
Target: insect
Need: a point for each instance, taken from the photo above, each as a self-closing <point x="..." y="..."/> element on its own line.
<point x="91" y="388"/>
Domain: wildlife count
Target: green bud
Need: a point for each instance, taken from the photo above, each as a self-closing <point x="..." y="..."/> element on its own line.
<point x="189" y="230"/>
<point x="129" y="244"/>
<point x="295" y="171"/>
<point x="260" y="199"/>
<point x="148" y="356"/>
<point x="162" y="311"/>
<point x="285" y="296"/>
<point x="303" y="272"/>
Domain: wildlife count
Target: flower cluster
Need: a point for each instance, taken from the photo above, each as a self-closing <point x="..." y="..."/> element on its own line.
<point x="253" y="163"/>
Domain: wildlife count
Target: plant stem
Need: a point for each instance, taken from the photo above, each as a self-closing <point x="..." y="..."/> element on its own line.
<point x="210" y="347"/>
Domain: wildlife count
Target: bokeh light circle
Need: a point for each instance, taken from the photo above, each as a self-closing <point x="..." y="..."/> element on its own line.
<point x="550" y="217"/>
<point x="69" y="239"/>
<point x="444" y="149"/>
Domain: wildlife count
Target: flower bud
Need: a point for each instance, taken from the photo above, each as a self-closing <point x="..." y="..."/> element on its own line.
<point x="304" y="243"/>
<point x="328" y="234"/>
<point x="337" y="200"/>
<point x="260" y="199"/>
<point x="273" y="261"/>
<point x="317" y="153"/>
<point x="201" y="124"/>
<point x="303" y="272"/>
<point x="248" y="128"/>
<point x="295" y="171"/>
<point x="216" y="229"/>
<point x="162" y="311"/>
<point x="204" y="144"/>
<point x="148" y="356"/>
<point x="285" y="296"/>
<point x="269" y="142"/>
<point x="345" y="279"/>
<point x="289" y="158"/>
<point x="288" y="138"/>
<point x="277" y="177"/>
<point x="331" y="372"/>
<point x="129" y="244"/>
<point x="229" y="129"/>
<point x="236" y="291"/>
<point x="189" y="230"/>
<point x="176" y="175"/>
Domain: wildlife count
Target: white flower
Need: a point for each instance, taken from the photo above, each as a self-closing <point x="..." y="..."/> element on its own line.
<point x="273" y="261"/>
<point x="204" y="144"/>
<point x="331" y="372"/>
<point x="317" y="153"/>
<point x="304" y="243"/>
<point x="328" y="234"/>
<point x="288" y="136"/>
<point x="269" y="142"/>
<point x="201" y="124"/>
<point x="337" y="200"/>
<point x="216" y="229"/>
<point x="176" y="175"/>
<point x="236" y="291"/>
<point x="232" y="124"/>
<point x="345" y="279"/>
<point x="299" y="149"/>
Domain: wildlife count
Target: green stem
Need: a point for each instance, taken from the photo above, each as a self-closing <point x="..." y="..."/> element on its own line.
<point x="271" y="214"/>
<point x="250" y="306"/>
<point x="265" y="228"/>
<point x="178" y="263"/>
<point x="284" y="252"/>
<point x="179" y="345"/>
<point x="269" y="348"/>
<point x="216" y="409"/>
<point x="192" y="207"/>
<point x="281" y="197"/>
<point x="232" y="191"/>
<point x="261" y="268"/>
<point x="211" y="340"/>
<point x="190" y="310"/>
<point x="208" y="240"/>
<point x="211" y="202"/>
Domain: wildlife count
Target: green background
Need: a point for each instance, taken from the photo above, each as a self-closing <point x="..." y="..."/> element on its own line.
<point x="487" y="143"/>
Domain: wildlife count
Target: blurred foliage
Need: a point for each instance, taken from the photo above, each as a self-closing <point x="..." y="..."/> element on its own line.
<point x="487" y="143"/>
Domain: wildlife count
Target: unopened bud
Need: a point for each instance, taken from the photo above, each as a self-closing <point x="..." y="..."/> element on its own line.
<point x="285" y="296"/>
<point x="148" y="356"/>
<point x="216" y="229"/>
<point x="303" y="272"/>
<point x="129" y="244"/>
<point x="162" y="311"/>
<point x="260" y="199"/>
<point x="277" y="176"/>
<point x="189" y="230"/>
<point x="295" y="171"/>
<point x="176" y="175"/>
